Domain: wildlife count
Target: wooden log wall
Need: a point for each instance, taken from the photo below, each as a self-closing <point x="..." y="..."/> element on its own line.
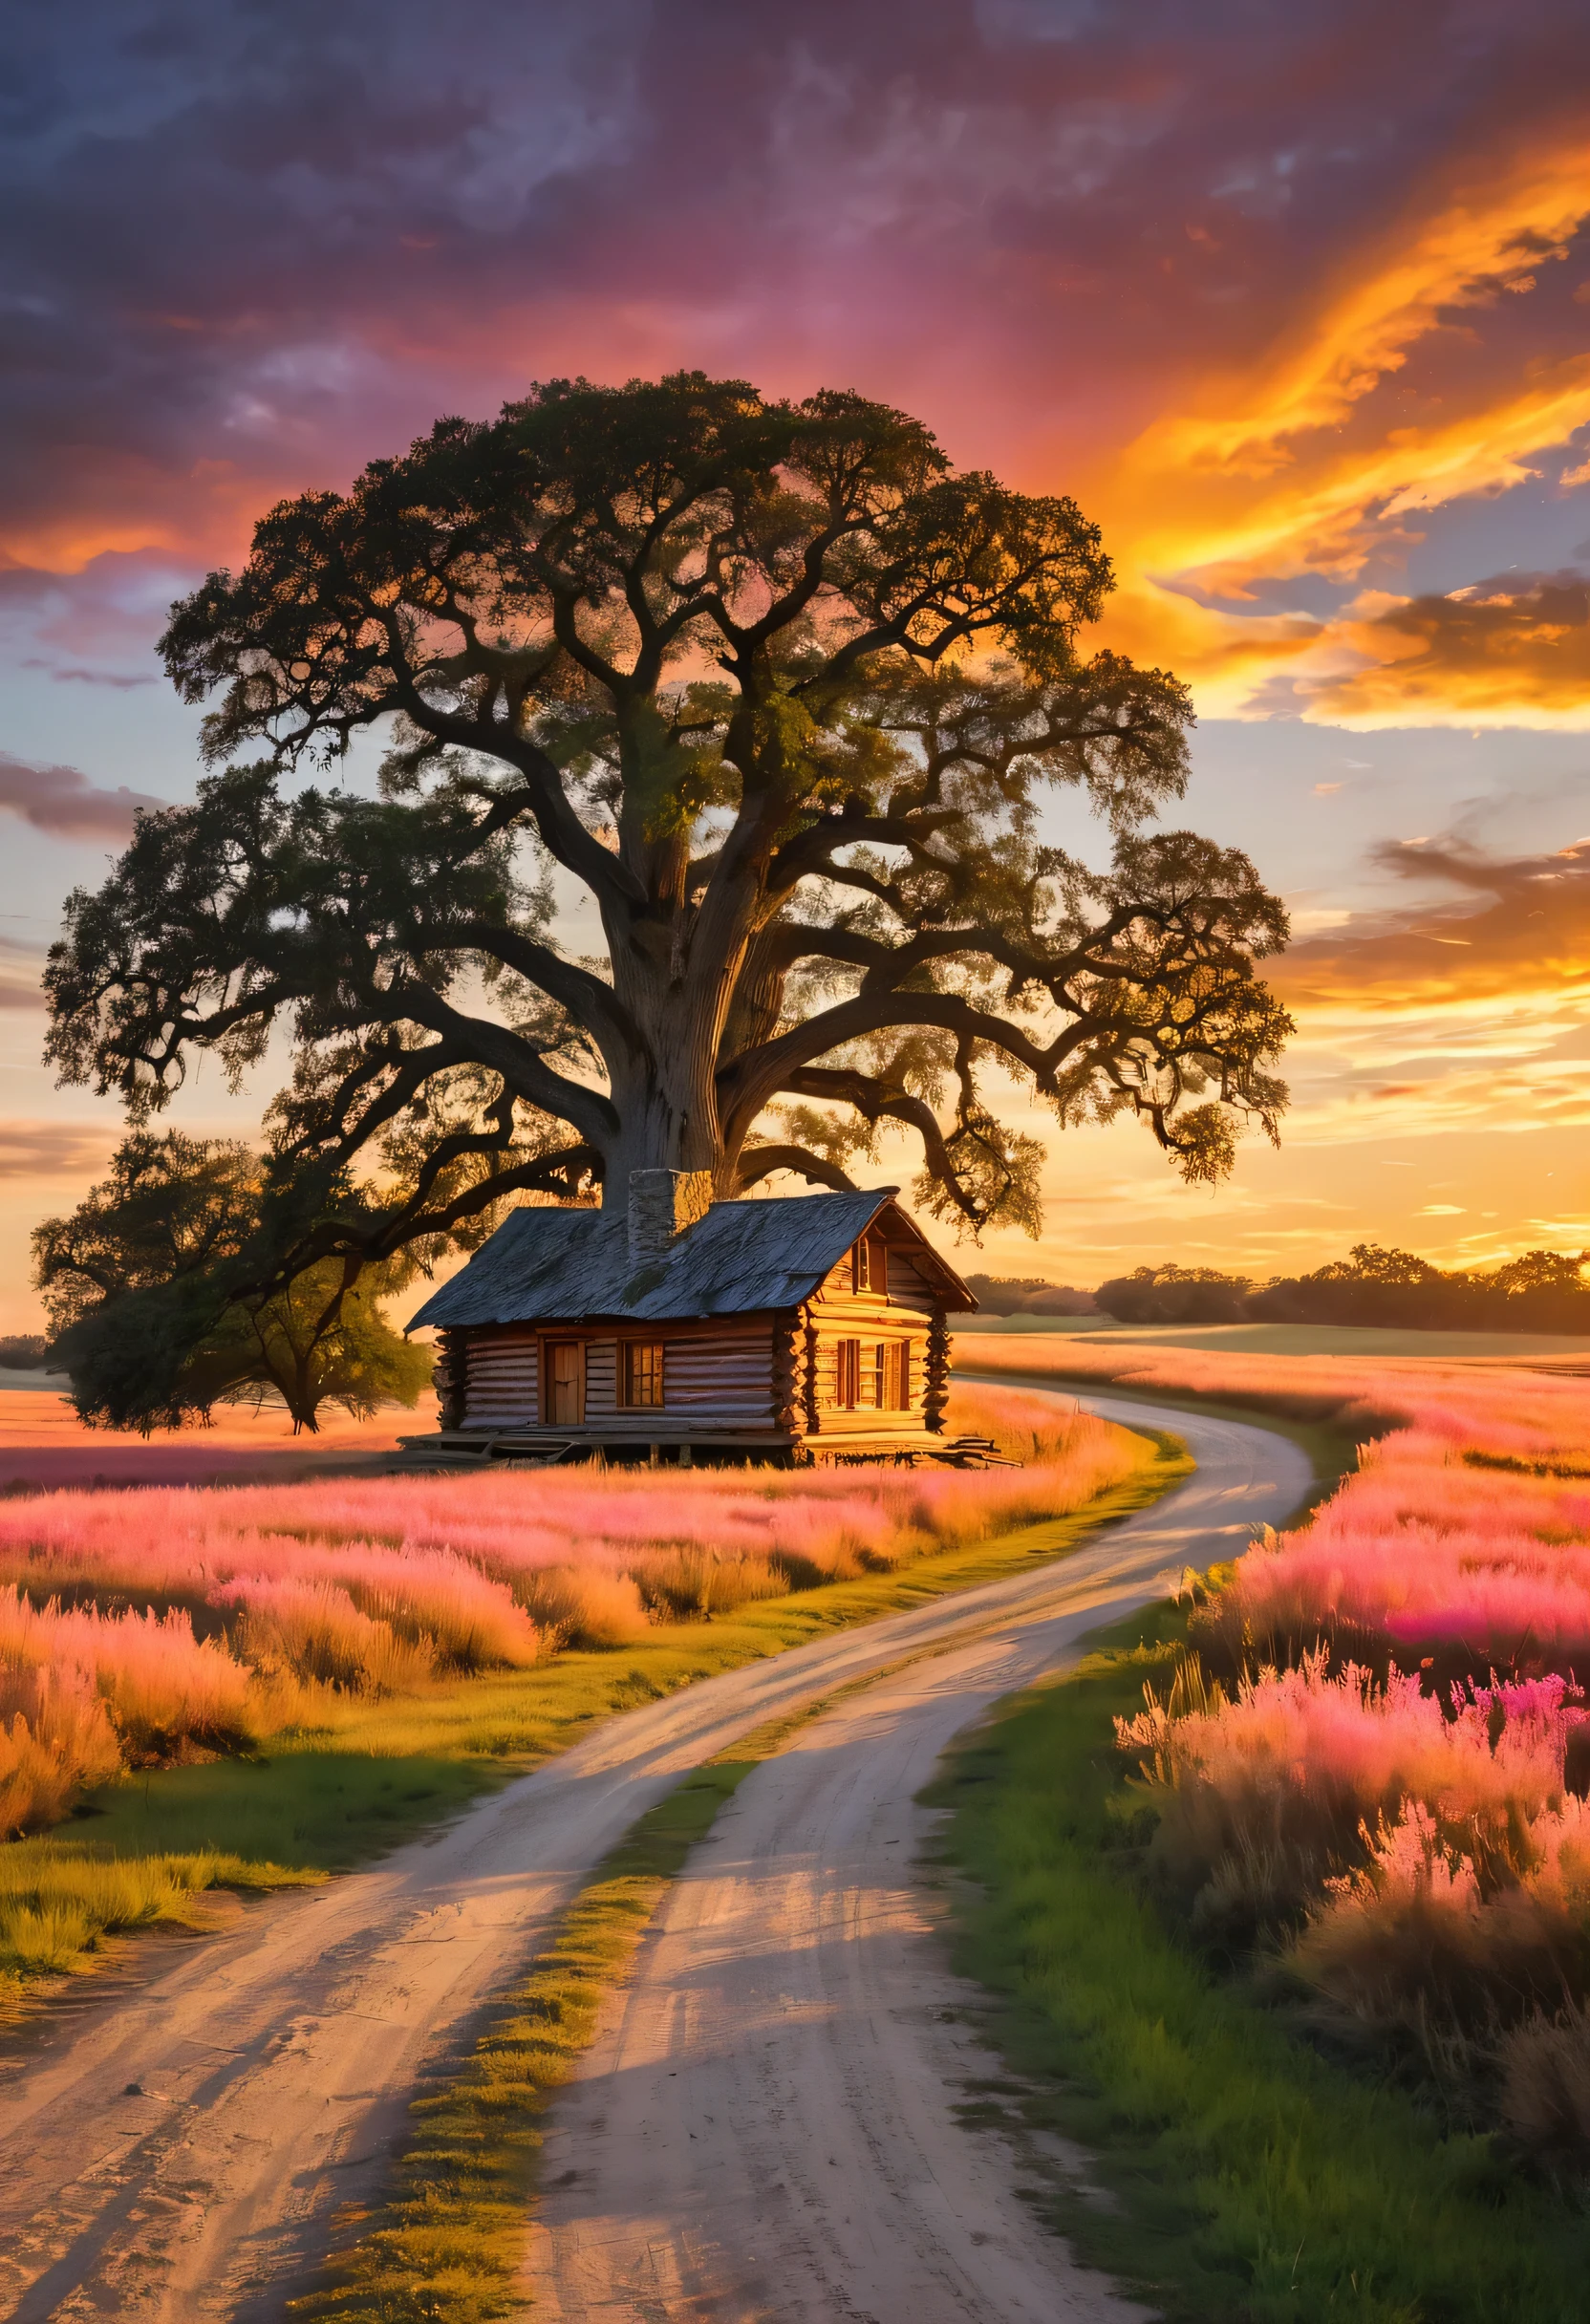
<point x="448" y="1377"/>
<point x="788" y="1367"/>
<point x="717" y="1369"/>
<point x="810" y="1412"/>
<point x="936" y="1389"/>
<point x="502" y="1385"/>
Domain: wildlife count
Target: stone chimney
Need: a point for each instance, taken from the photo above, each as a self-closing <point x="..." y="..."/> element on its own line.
<point x="662" y="1204"/>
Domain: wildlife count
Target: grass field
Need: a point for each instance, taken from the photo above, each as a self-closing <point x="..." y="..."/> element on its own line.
<point x="1251" y="2178"/>
<point x="44" y="1446"/>
<point x="1290" y="1339"/>
<point x="1301" y="1950"/>
<point x="319" y="1802"/>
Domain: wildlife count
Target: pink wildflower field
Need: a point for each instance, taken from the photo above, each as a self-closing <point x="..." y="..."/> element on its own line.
<point x="1373" y="1763"/>
<point x="137" y="1626"/>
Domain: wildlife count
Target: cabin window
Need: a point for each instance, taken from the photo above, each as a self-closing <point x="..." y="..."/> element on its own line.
<point x="846" y="1373"/>
<point x="870" y="1266"/>
<point x="891" y="1375"/>
<point x="565" y="1378"/>
<point x="640" y="1373"/>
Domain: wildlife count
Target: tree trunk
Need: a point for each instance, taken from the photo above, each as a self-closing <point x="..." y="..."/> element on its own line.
<point x="666" y="1098"/>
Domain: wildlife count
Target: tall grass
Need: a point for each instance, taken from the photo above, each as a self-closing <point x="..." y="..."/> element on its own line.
<point x="1372" y="1768"/>
<point x="56" y="1739"/>
<point x="1241" y="2169"/>
<point x="186" y="1621"/>
<point x="56" y="1900"/>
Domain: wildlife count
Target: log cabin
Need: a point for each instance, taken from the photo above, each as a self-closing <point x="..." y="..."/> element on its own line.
<point x="808" y="1328"/>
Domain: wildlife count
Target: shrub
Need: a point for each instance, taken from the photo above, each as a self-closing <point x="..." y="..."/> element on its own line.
<point x="314" y="1630"/>
<point x="1357" y="1785"/>
<point x="56" y="1740"/>
<point x="585" y="1607"/>
<point x="163" y="1688"/>
<point x="1543" y="2096"/>
<point x="1417" y="1944"/>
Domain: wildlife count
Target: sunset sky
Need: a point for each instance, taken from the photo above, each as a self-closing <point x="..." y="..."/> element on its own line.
<point x="1294" y="295"/>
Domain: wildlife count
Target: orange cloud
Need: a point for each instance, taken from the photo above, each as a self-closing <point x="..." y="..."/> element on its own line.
<point x="1321" y="460"/>
<point x="1515" y="647"/>
<point x="1446" y="1018"/>
<point x="1481" y="238"/>
<point x="1532" y="938"/>
<point x="51" y="1150"/>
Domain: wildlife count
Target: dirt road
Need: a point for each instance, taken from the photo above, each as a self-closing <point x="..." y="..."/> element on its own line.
<point x="177" y="2155"/>
<point x="767" y="2127"/>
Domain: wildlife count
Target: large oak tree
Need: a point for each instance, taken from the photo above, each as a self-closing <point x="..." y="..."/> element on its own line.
<point x="780" y="695"/>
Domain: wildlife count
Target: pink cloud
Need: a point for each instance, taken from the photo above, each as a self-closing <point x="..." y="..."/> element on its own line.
<point x="62" y="801"/>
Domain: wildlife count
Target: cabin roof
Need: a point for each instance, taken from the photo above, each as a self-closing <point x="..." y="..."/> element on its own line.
<point x="563" y="1266"/>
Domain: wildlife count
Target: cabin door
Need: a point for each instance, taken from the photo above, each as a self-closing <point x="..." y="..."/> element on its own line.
<point x="565" y="1383"/>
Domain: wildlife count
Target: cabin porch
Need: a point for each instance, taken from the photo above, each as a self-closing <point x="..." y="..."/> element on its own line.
<point x="674" y="1446"/>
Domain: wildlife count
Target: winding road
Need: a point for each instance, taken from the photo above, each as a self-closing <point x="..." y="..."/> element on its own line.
<point x="765" y="2128"/>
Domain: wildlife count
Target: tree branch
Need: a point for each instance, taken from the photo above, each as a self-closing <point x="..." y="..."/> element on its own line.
<point x="759" y="1162"/>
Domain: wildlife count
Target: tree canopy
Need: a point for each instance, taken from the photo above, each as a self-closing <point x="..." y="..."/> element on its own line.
<point x="1171" y="1294"/>
<point x="758" y="703"/>
<point x="152" y="1285"/>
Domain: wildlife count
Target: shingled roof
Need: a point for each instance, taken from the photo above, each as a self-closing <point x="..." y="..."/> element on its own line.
<point x="567" y="1267"/>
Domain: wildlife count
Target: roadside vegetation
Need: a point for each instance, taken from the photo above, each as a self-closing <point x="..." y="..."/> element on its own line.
<point x="239" y="1687"/>
<point x="1252" y="2174"/>
<point x="1291" y="1888"/>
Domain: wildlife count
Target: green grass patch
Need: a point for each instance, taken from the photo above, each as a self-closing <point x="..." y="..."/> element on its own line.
<point x="57" y="1902"/>
<point x="323" y="1799"/>
<point x="1257" y="2180"/>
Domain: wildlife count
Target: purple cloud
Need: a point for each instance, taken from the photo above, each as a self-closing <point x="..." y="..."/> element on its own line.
<point x="116" y="678"/>
<point x="62" y="801"/>
<point x="1024" y="220"/>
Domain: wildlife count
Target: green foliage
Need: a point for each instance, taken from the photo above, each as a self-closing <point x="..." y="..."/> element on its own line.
<point x="59" y="1898"/>
<point x="1373" y="1286"/>
<point x="1537" y="1291"/>
<point x="818" y="871"/>
<point x="1252" y="2180"/>
<point x="171" y="1207"/>
<point x="154" y="1284"/>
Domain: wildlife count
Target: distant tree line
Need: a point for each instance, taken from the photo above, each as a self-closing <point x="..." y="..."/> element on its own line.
<point x="1027" y="1295"/>
<point x="1540" y="1291"/>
